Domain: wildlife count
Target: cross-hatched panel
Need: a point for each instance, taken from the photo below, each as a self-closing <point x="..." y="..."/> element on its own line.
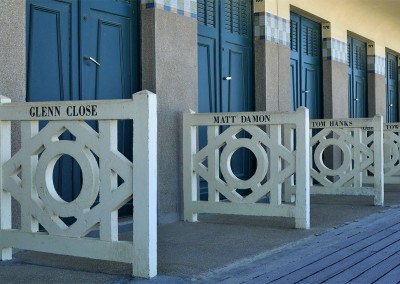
<point x="342" y="151"/>
<point x="391" y="152"/>
<point x="279" y="152"/>
<point x="109" y="180"/>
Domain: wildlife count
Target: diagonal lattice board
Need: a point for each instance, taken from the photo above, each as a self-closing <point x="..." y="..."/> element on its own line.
<point x="261" y="193"/>
<point x="109" y="180"/>
<point x="391" y="153"/>
<point x="342" y="150"/>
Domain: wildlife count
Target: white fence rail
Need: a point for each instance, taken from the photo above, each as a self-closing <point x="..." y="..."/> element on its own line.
<point x="28" y="177"/>
<point x="342" y="151"/>
<point x="275" y="163"/>
<point x="391" y="151"/>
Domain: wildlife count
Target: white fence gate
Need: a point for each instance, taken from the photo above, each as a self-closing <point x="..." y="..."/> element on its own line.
<point x="28" y="177"/>
<point x="358" y="143"/>
<point x="275" y="163"/>
<point x="391" y="151"/>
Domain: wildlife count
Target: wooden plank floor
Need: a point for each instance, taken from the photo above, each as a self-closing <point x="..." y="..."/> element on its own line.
<point x="366" y="251"/>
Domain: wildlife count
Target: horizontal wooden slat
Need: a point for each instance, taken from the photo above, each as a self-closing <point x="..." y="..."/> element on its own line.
<point x="83" y="247"/>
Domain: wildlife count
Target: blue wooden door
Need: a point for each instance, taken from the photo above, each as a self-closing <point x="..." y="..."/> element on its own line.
<point x="225" y="65"/>
<point x="79" y="50"/>
<point x="306" y="65"/>
<point x="357" y="71"/>
<point x="225" y="55"/>
<point x="392" y="93"/>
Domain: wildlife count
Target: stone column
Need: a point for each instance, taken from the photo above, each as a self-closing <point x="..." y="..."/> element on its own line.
<point x="12" y="53"/>
<point x="271" y="60"/>
<point x="335" y="75"/>
<point x="169" y="69"/>
<point x="335" y="86"/>
<point x="376" y="81"/>
<point x="13" y="68"/>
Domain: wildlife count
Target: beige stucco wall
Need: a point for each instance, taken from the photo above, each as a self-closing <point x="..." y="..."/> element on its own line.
<point x="373" y="20"/>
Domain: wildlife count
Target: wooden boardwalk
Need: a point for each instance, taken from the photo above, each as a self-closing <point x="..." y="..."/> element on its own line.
<point x="365" y="251"/>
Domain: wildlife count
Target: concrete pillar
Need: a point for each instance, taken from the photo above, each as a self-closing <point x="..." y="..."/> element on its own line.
<point x="13" y="68"/>
<point x="12" y="55"/>
<point x="335" y="74"/>
<point x="272" y="62"/>
<point x="376" y="95"/>
<point x="376" y="80"/>
<point x="272" y="91"/>
<point x="335" y="86"/>
<point x="169" y="69"/>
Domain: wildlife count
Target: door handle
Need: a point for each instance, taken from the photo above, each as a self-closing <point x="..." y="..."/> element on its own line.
<point x="227" y="78"/>
<point x="356" y="99"/>
<point x="305" y="92"/>
<point x="91" y="59"/>
<point x="391" y="105"/>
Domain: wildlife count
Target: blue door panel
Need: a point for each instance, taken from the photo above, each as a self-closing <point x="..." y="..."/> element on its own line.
<point x="236" y="62"/>
<point x="294" y="84"/>
<point x="207" y="67"/>
<point x="109" y="42"/>
<point x="59" y="35"/>
<point x="237" y="65"/>
<point x="208" y="46"/>
<point x="52" y="39"/>
<point x="351" y="96"/>
<point x="236" y="100"/>
<point x="357" y="71"/>
<point x="51" y="43"/>
<point x="225" y="49"/>
<point x="310" y="97"/>
<point x="360" y="106"/>
<point x="392" y="92"/>
<point x="306" y="65"/>
<point x="207" y="85"/>
<point x="109" y="30"/>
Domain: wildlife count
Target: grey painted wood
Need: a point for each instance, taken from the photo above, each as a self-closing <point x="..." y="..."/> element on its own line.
<point x="360" y="252"/>
<point x="377" y="271"/>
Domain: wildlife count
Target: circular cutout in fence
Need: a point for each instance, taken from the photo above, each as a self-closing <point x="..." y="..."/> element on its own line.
<point x="322" y="154"/>
<point x="90" y="178"/>
<point x="226" y="163"/>
<point x="239" y="157"/>
<point x="71" y="185"/>
<point x="391" y="153"/>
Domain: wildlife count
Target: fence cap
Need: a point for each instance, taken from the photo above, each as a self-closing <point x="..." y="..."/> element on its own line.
<point x="79" y="109"/>
<point x="4" y="99"/>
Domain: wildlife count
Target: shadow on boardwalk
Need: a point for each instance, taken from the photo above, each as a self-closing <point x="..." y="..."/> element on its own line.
<point x="342" y="243"/>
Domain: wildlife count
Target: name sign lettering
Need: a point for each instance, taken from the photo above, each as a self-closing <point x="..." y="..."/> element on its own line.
<point x="250" y="119"/>
<point x="392" y="127"/>
<point x="57" y="111"/>
<point x="331" y="123"/>
<point x="368" y="128"/>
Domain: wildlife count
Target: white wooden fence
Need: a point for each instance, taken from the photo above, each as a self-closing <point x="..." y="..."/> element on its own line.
<point x="358" y="143"/>
<point x="28" y="177"/>
<point x="275" y="163"/>
<point x="391" y="151"/>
